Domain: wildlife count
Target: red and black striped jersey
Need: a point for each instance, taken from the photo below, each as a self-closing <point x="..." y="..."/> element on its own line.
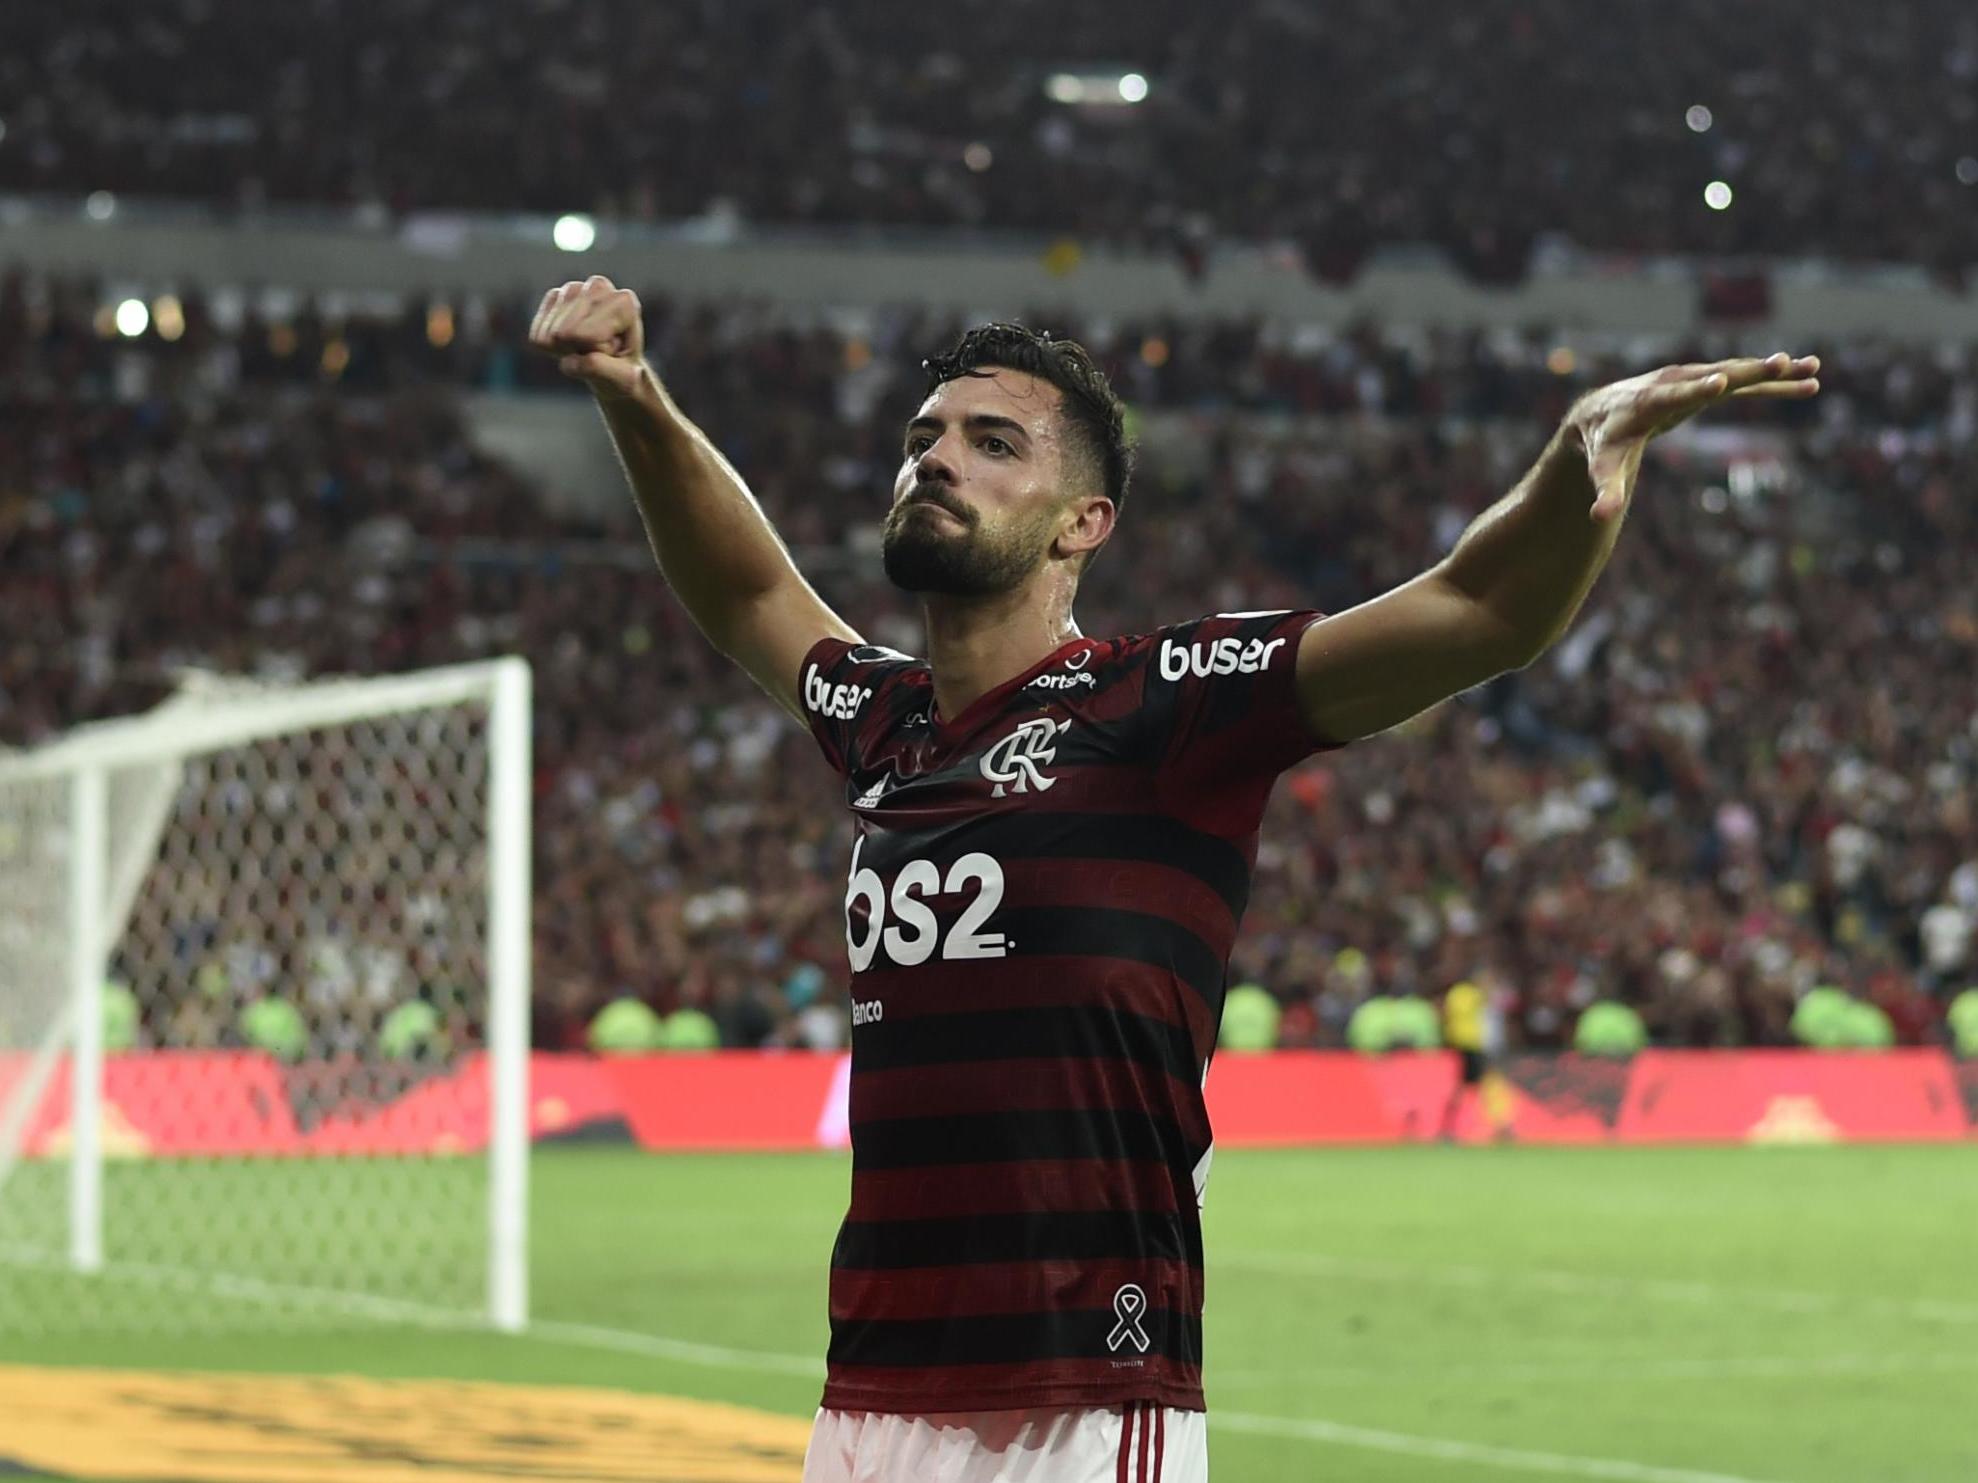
<point x="1044" y="893"/>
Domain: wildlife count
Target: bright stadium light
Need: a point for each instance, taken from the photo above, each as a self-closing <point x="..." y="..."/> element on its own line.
<point x="168" y="314"/>
<point x="132" y="318"/>
<point x="1717" y="195"/>
<point x="574" y="233"/>
<point x="101" y="205"/>
<point x="1698" y="118"/>
<point x="1062" y="87"/>
<point x="1099" y="88"/>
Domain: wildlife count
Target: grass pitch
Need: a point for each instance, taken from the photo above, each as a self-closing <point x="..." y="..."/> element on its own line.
<point x="1405" y="1315"/>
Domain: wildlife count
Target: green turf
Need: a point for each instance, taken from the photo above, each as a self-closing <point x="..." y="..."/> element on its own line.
<point x="1786" y="1315"/>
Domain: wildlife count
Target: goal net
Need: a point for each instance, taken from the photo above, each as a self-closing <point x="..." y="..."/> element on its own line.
<point x="264" y="1009"/>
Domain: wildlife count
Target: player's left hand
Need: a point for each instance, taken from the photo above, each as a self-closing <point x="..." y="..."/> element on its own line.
<point x="1614" y="423"/>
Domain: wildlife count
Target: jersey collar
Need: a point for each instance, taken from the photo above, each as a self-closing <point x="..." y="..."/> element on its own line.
<point x="989" y="700"/>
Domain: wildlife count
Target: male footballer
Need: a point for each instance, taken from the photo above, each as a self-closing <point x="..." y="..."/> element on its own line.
<point x="1053" y="837"/>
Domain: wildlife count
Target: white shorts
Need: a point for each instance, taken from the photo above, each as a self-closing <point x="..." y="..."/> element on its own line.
<point x="1136" y="1443"/>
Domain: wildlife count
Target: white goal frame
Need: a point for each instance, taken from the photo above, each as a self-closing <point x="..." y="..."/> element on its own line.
<point x="237" y="713"/>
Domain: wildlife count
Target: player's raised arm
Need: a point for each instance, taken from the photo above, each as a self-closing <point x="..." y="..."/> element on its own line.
<point x="1519" y="574"/>
<point x="718" y="551"/>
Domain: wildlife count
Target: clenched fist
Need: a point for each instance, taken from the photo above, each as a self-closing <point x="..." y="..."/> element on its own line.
<point x="596" y="333"/>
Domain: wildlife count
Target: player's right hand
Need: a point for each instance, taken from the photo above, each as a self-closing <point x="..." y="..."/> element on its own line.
<point x="597" y="334"/>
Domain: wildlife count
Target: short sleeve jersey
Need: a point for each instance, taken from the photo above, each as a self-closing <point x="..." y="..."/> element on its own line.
<point x="1043" y="895"/>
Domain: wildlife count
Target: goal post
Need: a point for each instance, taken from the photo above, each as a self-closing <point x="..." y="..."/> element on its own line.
<point x="306" y="912"/>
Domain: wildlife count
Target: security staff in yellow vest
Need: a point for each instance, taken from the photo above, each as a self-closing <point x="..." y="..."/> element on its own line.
<point x="1470" y="1028"/>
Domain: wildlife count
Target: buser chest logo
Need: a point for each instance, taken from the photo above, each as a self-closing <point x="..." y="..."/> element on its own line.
<point x="1017" y="762"/>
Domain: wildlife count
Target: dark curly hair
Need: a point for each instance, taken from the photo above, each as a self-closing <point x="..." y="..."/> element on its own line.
<point x="1093" y="412"/>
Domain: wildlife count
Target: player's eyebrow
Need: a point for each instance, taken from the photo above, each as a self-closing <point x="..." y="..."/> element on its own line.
<point x="974" y="422"/>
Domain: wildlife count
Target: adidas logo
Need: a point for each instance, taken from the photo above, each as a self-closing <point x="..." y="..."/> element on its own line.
<point x="871" y="796"/>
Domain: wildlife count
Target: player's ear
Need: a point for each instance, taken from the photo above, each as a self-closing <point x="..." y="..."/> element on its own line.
<point x="1069" y="542"/>
<point x="1093" y="526"/>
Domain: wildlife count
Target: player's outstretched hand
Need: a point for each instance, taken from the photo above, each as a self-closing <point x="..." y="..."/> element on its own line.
<point x="1614" y="423"/>
<point x="597" y="334"/>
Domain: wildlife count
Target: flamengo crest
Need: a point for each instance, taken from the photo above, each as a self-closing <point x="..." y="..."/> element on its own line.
<point x="1020" y="758"/>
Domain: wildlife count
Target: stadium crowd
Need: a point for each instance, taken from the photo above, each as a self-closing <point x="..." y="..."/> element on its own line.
<point x="1338" y="127"/>
<point x="1741" y="774"/>
<point x="851" y="361"/>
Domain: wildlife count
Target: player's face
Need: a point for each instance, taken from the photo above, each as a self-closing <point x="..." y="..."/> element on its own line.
<point x="976" y="503"/>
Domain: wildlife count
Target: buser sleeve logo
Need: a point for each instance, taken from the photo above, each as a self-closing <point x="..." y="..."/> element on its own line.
<point x="1223" y="656"/>
<point x="839" y="702"/>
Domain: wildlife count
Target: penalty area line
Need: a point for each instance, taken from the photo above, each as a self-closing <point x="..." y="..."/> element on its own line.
<point x="1474" y="1454"/>
<point x="241" y="1288"/>
<point x="341" y="1303"/>
<point x="716" y="1356"/>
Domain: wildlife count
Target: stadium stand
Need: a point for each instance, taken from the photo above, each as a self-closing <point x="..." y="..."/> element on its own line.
<point x="1745" y="756"/>
<point x="1341" y="127"/>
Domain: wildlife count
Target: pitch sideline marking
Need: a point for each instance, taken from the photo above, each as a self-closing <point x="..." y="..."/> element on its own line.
<point x="1780" y="1299"/>
<point x="1637" y="1368"/>
<point x="1307" y="1429"/>
<point x="1476" y="1453"/>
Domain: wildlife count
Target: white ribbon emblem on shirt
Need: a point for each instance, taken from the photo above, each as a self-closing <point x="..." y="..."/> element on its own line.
<point x="1129" y="1306"/>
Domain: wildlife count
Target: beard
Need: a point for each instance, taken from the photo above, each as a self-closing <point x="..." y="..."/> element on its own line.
<point x="926" y="552"/>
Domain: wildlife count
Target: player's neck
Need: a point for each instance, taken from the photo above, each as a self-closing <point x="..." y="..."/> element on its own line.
<point x="974" y="645"/>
